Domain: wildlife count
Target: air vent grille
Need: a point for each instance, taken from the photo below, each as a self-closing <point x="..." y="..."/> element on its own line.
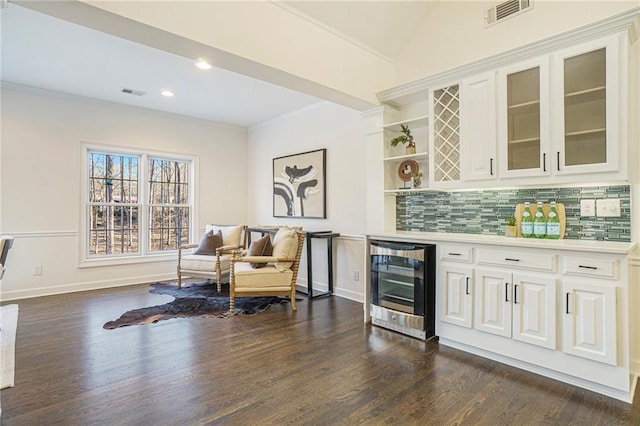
<point x="506" y="9"/>
<point x="133" y="92"/>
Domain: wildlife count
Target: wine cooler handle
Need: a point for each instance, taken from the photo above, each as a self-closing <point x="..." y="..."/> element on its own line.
<point x="467" y="287"/>
<point x="506" y="292"/>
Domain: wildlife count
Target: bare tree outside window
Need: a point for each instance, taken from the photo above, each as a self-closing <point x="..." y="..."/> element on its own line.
<point x="113" y="207"/>
<point x="169" y="211"/>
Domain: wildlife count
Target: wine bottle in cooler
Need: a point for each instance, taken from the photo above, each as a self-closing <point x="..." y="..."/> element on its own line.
<point x="526" y="223"/>
<point x="553" y="223"/>
<point x="539" y="223"/>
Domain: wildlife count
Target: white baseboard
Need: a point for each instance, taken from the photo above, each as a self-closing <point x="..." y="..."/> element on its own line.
<point x="340" y="292"/>
<point x="89" y="285"/>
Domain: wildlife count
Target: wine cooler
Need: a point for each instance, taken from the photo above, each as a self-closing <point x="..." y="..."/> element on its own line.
<point x="403" y="289"/>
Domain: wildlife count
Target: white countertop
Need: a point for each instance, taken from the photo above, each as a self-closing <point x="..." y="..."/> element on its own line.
<point x="609" y="247"/>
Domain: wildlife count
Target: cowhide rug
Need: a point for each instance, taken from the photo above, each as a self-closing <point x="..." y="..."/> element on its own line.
<point x="193" y="300"/>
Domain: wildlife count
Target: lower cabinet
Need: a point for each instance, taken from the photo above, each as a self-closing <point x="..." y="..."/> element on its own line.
<point x="589" y="321"/>
<point x="515" y="305"/>
<point x="457" y="304"/>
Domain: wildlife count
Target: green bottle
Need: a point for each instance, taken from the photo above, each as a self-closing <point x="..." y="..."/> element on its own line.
<point x="539" y="223"/>
<point x="553" y="223"/>
<point x="526" y="223"/>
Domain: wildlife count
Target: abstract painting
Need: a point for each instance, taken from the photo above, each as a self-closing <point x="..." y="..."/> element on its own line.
<point x="299" y="185"/>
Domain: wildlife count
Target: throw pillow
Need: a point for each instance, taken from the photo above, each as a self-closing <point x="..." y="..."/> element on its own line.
<point x="285" y="244"/>
<point x="260" y="247"/>
<point x="209" y="243"/>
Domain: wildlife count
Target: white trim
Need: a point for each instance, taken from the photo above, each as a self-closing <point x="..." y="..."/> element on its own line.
<point x="88" y="285"/>
<point x="331" y="30"/>
<point x="119" y="260"/>
<point x="351" y="237"/>
<point x="572" y="380"/>
<point x="43" y="234"/>
<point x="339" y="292"/>
<point x="617" y="23"/>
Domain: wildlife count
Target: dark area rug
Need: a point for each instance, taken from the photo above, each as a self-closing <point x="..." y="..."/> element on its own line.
<point x="194" y="300"/>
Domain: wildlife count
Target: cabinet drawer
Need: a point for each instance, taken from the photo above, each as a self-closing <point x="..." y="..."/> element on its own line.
<point x="520" y="259"/>
<point x="457" y="253"/>
<point x="602" y="268"/>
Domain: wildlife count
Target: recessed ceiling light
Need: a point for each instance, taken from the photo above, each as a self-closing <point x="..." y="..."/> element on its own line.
<point x="167" y="93"/>
<point x="202" y="64"/>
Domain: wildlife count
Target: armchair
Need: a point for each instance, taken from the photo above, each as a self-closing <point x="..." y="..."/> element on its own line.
<point x="5" y="244"/>
<point x="211" y="266"/>
<point x="277" y="278"/>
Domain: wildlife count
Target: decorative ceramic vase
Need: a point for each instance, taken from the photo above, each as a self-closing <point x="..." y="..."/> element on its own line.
<point x="410" y="149"/>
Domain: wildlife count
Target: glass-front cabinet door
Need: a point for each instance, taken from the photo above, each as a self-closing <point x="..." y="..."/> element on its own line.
<point x="586" y="81"/>
<point x="523" y="125"/>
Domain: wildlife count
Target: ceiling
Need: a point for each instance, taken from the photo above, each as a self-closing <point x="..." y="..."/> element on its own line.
<point x="41" y="51"/>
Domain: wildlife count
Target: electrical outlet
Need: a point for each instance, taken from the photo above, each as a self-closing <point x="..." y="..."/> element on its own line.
<point x="37" y="270"/>
<point x="608" y="207"/>
<point x="356" y="275"/>
<point x="587" y="207"/>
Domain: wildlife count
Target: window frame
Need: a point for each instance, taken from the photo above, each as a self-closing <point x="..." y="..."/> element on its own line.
<point x="144" y="253"/>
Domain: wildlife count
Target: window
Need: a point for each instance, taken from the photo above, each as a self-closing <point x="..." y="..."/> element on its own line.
<point x="168" y="204"/>
<point x="128" y="218"/>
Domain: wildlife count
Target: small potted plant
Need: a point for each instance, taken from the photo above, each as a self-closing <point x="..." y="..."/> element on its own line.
<point x="416" y="180"/>
<point x="511" y="227"/>
<point x="405" y="137"/>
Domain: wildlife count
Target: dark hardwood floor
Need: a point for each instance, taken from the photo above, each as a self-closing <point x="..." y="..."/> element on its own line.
<point x="319" y="366"/>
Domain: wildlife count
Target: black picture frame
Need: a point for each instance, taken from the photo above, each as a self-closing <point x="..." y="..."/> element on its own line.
<point x="299" y="185"/>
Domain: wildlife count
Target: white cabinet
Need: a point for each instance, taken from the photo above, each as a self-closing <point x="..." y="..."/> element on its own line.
<point x="478" y="127"/>
<point x="523" y="118"/>
<point x="589" y="324"/>
<point x="560" y="114"/>
<point x="586" y="91"/>
<point x="519" y="306"/>
<point x="455" y="295"/>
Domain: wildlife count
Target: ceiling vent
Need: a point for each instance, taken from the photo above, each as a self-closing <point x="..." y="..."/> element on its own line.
<point x="133" y="92"/>
<point x="505" y="10"/>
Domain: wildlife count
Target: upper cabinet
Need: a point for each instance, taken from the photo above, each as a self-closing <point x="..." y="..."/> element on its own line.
<point x="523" y="118"/>
<point x="586" y="91"/>
<point x="558" y="114"/>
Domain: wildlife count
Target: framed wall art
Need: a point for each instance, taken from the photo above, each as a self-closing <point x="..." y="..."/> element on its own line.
<point x="299" y="187"/>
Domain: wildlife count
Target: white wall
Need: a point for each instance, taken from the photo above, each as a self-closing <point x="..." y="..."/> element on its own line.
<point x="40" y="181"/>
<point x="341" y="131"/>
<point x="454" y="32"/>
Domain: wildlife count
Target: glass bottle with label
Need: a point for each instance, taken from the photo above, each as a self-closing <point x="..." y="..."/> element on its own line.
<point x="539" y="223"/>
<point x="553" y="223"/>
<point x="526" y="223"/>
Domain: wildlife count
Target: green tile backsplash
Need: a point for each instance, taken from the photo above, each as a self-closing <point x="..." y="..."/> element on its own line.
<point x="485" y="212"/>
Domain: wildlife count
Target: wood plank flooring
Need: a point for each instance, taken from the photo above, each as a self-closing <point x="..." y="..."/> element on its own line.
<point x="318" y="366"/>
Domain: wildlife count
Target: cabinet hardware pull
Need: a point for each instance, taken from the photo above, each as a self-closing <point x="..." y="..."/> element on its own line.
<point x="454" y="254"/>
<point x="467" y="286"/>
<point x="515" y="293"/>
<point x="567" y="302"/>
<point x="506" y="292"/>
<point x="491" y="166"/>
<point x="558" y="160"/>
<point x="511" y="260"/>
<point x="544" y="161"/>
<point x="588" y="267"/>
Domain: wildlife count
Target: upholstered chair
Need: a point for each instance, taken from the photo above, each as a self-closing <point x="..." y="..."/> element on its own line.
<point x="271" y="275"/>
<point x="5" y="244"/>
<point x="211" y="262"/>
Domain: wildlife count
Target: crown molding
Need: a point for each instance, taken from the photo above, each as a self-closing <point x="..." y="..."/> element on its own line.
<point x="418" y="89"/>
